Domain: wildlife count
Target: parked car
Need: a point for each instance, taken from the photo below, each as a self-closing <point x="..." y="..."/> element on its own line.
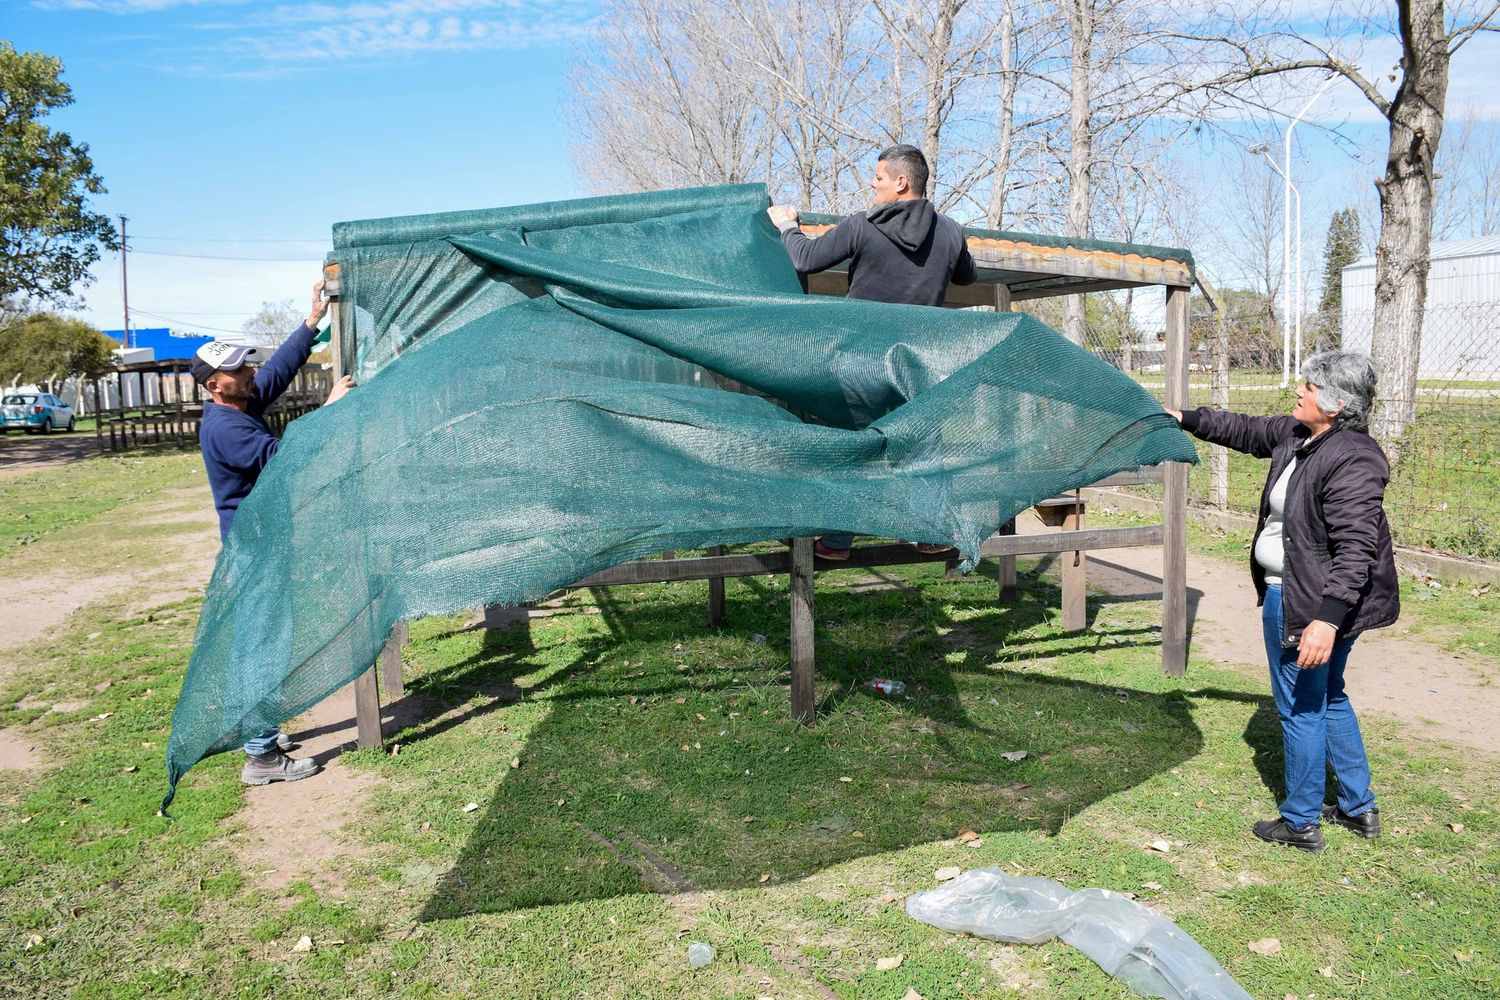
<point x="33" y="412"/>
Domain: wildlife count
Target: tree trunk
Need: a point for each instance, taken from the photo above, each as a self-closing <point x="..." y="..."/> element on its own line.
<point x="935" y="62"/>
<point x="999" y="183"/>
<point x="1080" y="147"/>
<point x="1406" y="196"/>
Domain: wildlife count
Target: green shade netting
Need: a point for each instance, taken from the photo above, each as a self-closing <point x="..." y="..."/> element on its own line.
<point x="549" y="391"/>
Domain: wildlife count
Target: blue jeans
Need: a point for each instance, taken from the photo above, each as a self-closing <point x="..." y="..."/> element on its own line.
<point x="837" y="541"/>
<point x="1318" y="727"/>
<point x="263" y="744"/>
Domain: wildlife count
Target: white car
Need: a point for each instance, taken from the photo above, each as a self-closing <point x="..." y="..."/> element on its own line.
<point x="34" y="412"/>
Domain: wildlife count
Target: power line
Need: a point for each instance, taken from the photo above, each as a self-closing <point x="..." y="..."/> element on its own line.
<point x="183" y="322"/>
<point x="206" y="256"/>
<point x="245" y="239"/>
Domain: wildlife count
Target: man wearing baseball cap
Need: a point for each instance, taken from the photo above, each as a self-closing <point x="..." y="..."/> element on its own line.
<point x="237" y="443"/>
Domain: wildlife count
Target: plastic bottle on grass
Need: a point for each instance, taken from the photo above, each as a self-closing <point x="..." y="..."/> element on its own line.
<point x="700" y="953"/>
<point x="884" y="685"/>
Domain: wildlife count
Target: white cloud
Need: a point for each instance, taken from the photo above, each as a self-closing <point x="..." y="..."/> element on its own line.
<point x="124" y="6"/>
<point x="256" y="40"/>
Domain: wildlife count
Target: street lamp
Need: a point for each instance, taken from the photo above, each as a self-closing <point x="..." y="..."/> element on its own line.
<point x="1289" y="191"/>
<point x="1291" y="280"/>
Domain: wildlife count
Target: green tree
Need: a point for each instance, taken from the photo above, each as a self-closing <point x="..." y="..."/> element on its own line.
<point x="48" y="236"/>
<point x="1339" y="251"/>
<point x="46" y="348"/>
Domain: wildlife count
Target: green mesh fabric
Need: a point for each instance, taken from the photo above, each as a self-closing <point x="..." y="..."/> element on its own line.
<point x="549" y="391"/>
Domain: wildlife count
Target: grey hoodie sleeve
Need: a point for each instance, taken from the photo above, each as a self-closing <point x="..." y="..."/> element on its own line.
<point x="812" y="255"/>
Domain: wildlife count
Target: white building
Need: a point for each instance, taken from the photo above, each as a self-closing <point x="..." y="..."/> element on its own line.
<point x="1461" y="325"/>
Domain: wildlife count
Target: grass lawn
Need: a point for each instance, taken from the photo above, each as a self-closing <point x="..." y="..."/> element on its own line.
<point x="37" y="504"/>
<point x="621" y="736"/>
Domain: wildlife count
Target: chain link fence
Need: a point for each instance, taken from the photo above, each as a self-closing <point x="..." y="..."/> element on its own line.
<point x="1444" y="493"/>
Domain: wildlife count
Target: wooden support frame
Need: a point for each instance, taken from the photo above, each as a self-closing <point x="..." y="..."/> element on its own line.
<point x="1010" y="271"/>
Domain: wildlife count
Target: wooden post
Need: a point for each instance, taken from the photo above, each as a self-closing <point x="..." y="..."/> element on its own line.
<point x="98" y="416"/>
<point x="1174" y="531"/>
<point x="391" y="681"/>
<point x="802" y="630"/>
<point x="1002" y="297"/>
<point x="366" y="687"/>
<point x="1075" y="615"/>
<point x="367" y="709"/>
<point x="1007" y="568"/>
<point x="716" y="593"/>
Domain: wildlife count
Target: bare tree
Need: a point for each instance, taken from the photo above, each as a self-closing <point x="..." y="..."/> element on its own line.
<point x="1467" y="199"/>
<point x="272" y="324"/>
<point x="656" y="107"/>
<point x="1251" y="48"/>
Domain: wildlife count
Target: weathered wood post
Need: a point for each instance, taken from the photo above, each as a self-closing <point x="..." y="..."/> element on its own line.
<point x="1007" y="564"/>
<point x="366" y="685"/>
<point x="802" y="630"/>
<point x="1174" y="541"/>
<point x="716" y="593"/>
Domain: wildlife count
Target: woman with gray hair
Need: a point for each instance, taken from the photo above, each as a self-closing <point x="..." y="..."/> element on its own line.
<point x="1325" y="571"/>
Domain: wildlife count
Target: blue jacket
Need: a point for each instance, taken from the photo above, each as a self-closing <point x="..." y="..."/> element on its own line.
<point x="237" y="444"/>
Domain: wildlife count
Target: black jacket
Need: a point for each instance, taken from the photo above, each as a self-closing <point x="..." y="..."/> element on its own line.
<point x="905" y="251"/>
<point x="1340" y="565"/>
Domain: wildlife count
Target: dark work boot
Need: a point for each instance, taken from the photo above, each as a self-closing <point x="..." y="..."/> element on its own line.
<point x="1279" y="831"/>
<point x="1366" y="824"/>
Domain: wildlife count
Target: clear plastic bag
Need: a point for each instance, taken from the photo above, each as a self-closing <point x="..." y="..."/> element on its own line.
<point x="1131" y="942"/>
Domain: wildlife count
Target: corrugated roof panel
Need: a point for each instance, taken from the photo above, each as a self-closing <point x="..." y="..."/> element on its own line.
<point x="1476" y="246"/>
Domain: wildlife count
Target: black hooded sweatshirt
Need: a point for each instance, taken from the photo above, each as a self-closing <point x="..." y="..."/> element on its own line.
<point x="904" y="251"/>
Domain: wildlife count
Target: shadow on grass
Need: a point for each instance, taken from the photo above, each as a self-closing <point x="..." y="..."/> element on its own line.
<point x="675" y="766"/>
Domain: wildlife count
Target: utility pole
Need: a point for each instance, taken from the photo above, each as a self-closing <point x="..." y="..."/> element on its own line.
<point x="124" y="286"/>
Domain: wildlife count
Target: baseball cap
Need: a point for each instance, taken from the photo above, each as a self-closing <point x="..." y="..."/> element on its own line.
<point x="220" y="357"/>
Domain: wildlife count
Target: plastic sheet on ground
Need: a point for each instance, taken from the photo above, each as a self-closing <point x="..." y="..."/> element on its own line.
<point x="1133" y="943"/>
<point x="551" y="390"/>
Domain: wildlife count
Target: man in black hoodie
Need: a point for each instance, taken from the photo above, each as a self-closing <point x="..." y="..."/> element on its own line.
<point x="901" y="250"/>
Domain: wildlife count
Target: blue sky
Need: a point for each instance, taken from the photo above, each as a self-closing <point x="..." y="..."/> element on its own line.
<point x="234" y="133"/>
<point x="245" y="130"/>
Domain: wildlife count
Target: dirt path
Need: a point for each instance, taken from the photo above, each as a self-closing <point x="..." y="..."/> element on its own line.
<point x="1436" y="693"/>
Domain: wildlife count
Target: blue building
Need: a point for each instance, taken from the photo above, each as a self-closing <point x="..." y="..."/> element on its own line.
<point x="164" y="344"/>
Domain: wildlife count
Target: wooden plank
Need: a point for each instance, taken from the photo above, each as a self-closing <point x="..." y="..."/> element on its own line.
<point x="1145" y="475"/>
<point x="716" y="593"/>
<point x="802" y="655"/>
<point x="1079" y="263"/>
<point x="392" y="683"/>
<point x="1007" y="569"/>
<point x="1174" y="541"/>
<point x="862" y="556"/>
<point x="1002" y="297"/>
<point x="1074" y="591"/>
<point x="1052" y="287"/>
<point x="1067" y="541"/>
<point x="367" y="709"/>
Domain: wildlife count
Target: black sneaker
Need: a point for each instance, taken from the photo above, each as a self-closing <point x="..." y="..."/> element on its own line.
<point x="1366" y="824"/>
<point x="1279" y="831"/>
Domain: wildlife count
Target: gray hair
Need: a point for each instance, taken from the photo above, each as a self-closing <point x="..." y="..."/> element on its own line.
<point x="908" y="162"/>
<point x="1346" y="385"/>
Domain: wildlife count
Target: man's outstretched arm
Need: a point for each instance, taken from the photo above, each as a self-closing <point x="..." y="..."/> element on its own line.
<point x="279" y="370"/>
<point x="812" y="255"/>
